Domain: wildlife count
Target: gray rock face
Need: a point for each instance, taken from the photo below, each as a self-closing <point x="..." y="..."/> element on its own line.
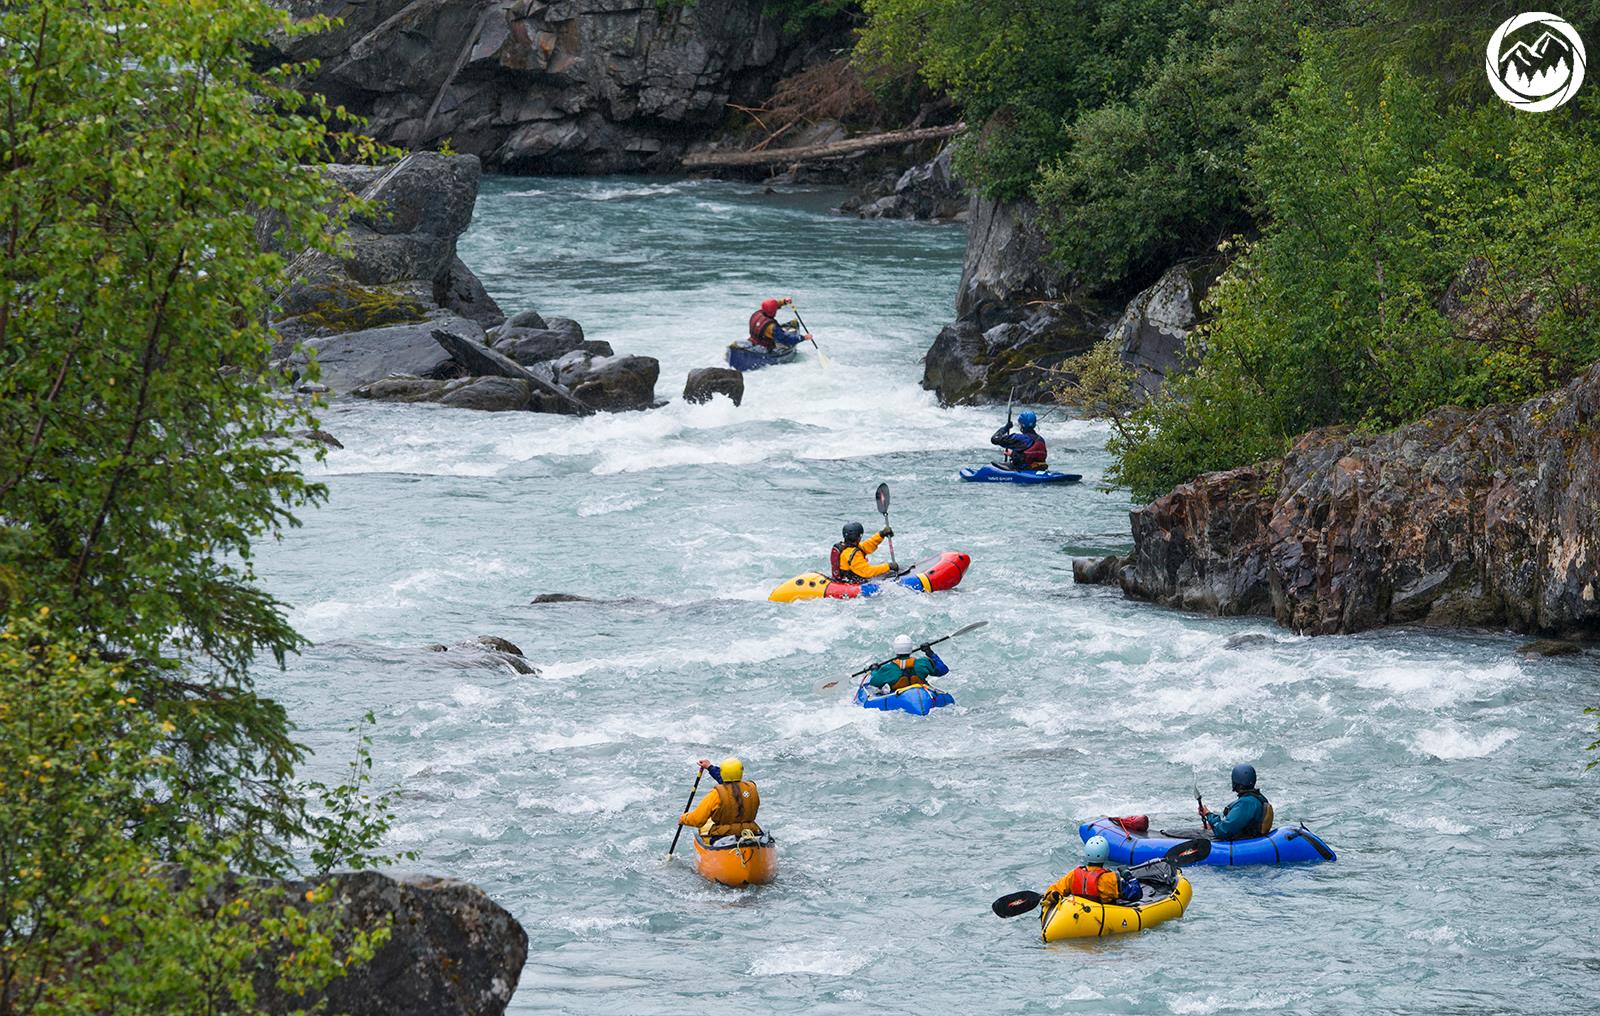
<point x="969" y="363"/>
<point x="704" y="382"/>
<point x="549" y="395"/>
<point x="609" y="383"/>
<point x="452" y="950"/>
<point x="586" y="86"/>
<point x="929" y="191"/>
<point x="354" y="359"/>
<point x="1153" y="332"/>
<point x="1482" y="518"/>
<point x="1005" y="262"/>
<point x="490" y="394"/>
<point x="529" y="346"/>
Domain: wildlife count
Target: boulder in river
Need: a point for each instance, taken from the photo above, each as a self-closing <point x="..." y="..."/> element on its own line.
<point x="1464" y="518"/>
<point x="704" y="382"/>
<point x="609" y="383"/>
<point x="489" y="394"/>
<point x="549" y="395"/>
<point x="488" y="651"/>
<point x="452" y="951"/>
<point x="529" y="346"/>
<point x="352" y="359"/>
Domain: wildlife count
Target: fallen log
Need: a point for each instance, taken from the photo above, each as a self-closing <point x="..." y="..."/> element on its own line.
<point x="811" y="153"/>
<point x="481" y="361"/>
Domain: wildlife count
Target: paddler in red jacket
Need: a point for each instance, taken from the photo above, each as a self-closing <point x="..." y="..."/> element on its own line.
<point x="767" y="333"/>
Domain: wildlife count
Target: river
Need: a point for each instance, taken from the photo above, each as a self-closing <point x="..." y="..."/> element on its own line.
<point x="1445" y="770"/>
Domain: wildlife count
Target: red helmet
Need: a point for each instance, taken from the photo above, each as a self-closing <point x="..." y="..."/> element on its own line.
<point x="769" y="307"/>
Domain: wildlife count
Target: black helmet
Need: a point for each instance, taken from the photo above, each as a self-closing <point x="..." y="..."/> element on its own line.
<point x="1244" y="777"/>
<point x="852" y="532"/>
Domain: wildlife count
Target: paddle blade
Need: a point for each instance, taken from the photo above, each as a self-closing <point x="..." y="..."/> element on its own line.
<point x="822" y="358"/>
<point x="1015" y="904"/>
<point x="971" y="627"/>
<point x="883" y="498"/>
<point x="825" y="685"/>
<point x="1189" y="852"/>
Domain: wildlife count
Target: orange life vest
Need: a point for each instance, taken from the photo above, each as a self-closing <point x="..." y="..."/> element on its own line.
<point x="1085" y="882"/>
<point x="908" y="673"/>
<point x="737" y="804"/>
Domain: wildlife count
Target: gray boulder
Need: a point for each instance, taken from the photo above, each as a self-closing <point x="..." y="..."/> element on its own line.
<point x="529" y="346"/>
<point x="526" y="319"/>
<point x="460" y="292"/>
<point x="402" y="389"/>
<point x="1152" y="334"/>
<point x="549" y="395"/>
<point x="1006" y="260"/>
<point x="968" y="363"/>
<point x="704" y="382"/>
<point x="452" y="951"/>
<point x="609" y="383"/>
<point x="352" y="359"/>
<point x="928" y="191"/>
<point x="490" y="394"/>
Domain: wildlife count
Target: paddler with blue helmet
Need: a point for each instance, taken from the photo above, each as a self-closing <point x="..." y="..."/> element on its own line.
<point x="1025" y="451"/>
<point x="1246" y="818"/>
<point x="1092" y="880"/>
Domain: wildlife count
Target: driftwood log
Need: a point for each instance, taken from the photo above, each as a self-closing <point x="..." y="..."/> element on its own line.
<point x="813" y="153"/>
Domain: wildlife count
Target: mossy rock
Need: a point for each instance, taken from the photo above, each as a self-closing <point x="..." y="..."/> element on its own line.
<point x="337" y="306"/>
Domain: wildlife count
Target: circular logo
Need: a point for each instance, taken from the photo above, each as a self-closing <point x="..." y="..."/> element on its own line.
<point x="1535" y="61"/>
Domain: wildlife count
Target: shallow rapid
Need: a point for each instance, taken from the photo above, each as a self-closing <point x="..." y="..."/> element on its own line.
<point x="1446" y="771"/>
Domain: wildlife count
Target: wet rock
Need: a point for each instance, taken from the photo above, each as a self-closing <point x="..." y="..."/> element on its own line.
<point x="461" y="293"/>
<point x="971" y="362"/>
<point x="321" y="437"/>
<point x="495" y="643"/>
<point x="1006" y="260"/>
<point x="452" y="951"/>
<point x="1550" y="647"/>
<point x="1248" y="639"/>
<point x="1096" y="571"/>
<point x="929" y="191"/>
<point x="704" y="382"/>
<point x="402" y="389"/>
<point x="561" y="598"/>
<point x="529" y="346"/>
<point x="489" y="394"/>
<point x="1482" y="519"/>
<point x="1152" y="334"/>
<point x="549" y="396"/>
<point x="486" y="651"/>
<point x="526" y="319"/>
<point x="565" y="326"/>
<point x="609" y="383"/>
<point x="352" y="359"/>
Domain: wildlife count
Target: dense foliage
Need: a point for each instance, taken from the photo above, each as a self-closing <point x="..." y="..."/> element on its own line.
<point x="140" y="456"/>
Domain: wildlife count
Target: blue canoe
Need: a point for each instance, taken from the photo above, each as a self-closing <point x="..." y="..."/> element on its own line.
<point x="742" y="356"/>
<point x="917" y="700"/>
<point x="992" y="473"/>
<point x="1295" y="845"/>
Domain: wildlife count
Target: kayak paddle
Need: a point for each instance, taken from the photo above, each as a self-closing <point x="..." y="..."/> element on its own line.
<point x="883" y="506"/>
<point x="974" y="626"/>
<point x="1201" y="805"/>
<point x="1187" y="852"/>
<point x="686" y="807"/>
<point x="822" y="358"/>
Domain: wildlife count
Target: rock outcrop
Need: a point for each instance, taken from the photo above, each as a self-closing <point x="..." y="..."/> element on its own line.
<point x="452" y="951"/>
<point x="705" y="382"/>
<point x="569" y="86"/>
<point x="1486" y="518"/>
<point x="1153" y="333"/>
<point x="929" y="191"/>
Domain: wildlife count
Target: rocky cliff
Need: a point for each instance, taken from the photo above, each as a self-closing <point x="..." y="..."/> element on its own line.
<point x="1017" y="318"/>
<point x="569" y="86"/>
<point x="1488" y="518"/>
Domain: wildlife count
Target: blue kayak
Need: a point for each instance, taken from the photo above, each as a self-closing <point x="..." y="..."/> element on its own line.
<point x="742" y="356"/>
<point x="992" y="473"/>
<point x="1297" y="845"/>
<point x="918" y="699"/>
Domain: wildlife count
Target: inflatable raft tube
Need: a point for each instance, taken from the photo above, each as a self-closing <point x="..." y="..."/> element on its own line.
<point x="942" y="572"/>
<point x="995" y="474"/>
<point x="1075" y="917"/>
<point x="737" y="865"/>
<point x="1284" y="845"/>
<point x="742" y="356"/>
<point x="918" y="700"/>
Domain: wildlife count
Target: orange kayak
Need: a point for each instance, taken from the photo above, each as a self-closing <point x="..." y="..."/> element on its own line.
<point x="752" y="864"/>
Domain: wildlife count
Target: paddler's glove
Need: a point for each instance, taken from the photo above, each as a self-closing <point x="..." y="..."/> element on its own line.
<point x="886" y="532"/>
<point x="705" y="763"/>
<point x="1050" y="899"/>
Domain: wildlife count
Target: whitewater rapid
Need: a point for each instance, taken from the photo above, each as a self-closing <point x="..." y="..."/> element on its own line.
<point x="1446" y="771"/>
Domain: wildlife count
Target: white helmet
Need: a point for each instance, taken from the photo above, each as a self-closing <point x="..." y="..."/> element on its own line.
<point x="903" y="645"/>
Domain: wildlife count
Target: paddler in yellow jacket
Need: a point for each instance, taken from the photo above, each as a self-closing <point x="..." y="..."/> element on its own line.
<point x="729" y="808"/>
<point x="849" y="558"/>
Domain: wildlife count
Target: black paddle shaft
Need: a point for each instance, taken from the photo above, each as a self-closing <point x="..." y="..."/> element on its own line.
<point x="687" y="805"/>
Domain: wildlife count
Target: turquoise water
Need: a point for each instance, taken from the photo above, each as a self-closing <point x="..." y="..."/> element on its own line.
<point x="1446" y="771"/>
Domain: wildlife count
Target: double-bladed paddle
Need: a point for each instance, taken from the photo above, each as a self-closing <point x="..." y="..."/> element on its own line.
<point x="974" y="626"/>
<point x="1187" y="852"/>
<point x="883" y="506"/>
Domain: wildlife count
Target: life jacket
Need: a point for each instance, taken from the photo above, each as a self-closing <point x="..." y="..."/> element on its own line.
<point x="836" y="560"/>
<point x="908" y="673"/>
<point x="736" y="808"/>
<point x="1265" y="826"/>
<point x="759" y="321"/>
<point x="1085" y="882"/>
<point x="1031" y="458"/>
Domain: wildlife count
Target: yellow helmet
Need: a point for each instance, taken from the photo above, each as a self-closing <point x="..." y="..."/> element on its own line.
<point x="732" y="769"/>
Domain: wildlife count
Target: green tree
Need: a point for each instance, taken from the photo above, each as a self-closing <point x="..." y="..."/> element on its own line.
<point x="140" y="455"/>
